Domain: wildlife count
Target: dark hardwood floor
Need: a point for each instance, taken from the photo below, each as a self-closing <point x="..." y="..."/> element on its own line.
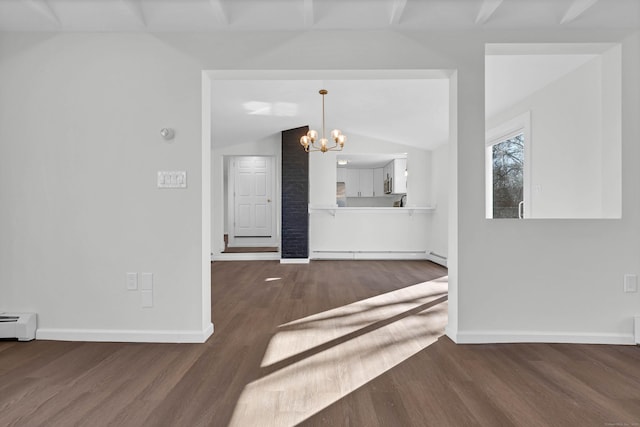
<point x="345" y="343"/>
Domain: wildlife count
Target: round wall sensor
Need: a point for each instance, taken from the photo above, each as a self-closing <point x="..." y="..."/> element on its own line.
<point x="167" y="133"/>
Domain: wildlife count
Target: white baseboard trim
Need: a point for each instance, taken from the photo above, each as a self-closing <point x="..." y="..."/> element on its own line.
<point x="451" y="333"/>
<point x="495" y="337"/>
<point x="437" y="260"/>
<point x="294" y="260"/>
<point x="105" y="335"/>
<point x="636" y="329"/>
<point x="368" y="255"/>
<point x="254" y="256"/>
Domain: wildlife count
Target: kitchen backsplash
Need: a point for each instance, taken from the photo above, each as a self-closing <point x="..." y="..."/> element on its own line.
<point x="376" y="202"/>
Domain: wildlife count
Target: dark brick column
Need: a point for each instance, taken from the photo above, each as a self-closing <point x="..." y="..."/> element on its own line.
<point x="295" y="195"/>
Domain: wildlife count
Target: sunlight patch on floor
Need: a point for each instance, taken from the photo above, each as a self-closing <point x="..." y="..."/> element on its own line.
<point x="326" y="356"/>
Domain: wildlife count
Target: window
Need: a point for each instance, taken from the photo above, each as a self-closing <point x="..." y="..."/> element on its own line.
<point x="507" y="170"/>
<point x="507" y="186"/>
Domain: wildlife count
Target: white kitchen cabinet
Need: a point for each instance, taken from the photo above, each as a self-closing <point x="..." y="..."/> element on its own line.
<point x="366" y="182"/>
<point x="352" y="184"/>
<point x="399" y="176"/>
<point x="378" y="182"/>
<point x="341" y="174"/>
<point x="359" y="183"/>
<point x="395" y="176"/>
<point x="387" y="177"/>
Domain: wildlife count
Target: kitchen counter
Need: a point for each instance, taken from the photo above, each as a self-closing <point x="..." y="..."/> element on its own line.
<point x="333" y="210"/>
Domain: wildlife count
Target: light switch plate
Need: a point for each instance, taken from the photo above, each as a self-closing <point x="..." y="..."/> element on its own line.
<point x="630" y="283"/>
<point x="132" y="281"/>
<point x="147" y="282"/>
<point x="172" y="179"/>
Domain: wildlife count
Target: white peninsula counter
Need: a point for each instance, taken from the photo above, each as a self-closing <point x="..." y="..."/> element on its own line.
<point x="369" y="232"/>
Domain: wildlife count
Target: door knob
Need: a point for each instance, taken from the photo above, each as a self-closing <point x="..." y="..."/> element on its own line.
<point x="268" y="200"/>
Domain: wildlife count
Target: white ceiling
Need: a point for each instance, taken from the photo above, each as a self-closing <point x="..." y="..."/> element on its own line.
<point x="215" y="15"/>
<point x="412" y="112"/>
<point x="408" y="111"/>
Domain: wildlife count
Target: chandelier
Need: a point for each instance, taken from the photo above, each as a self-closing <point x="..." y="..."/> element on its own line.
<point x="309" y="140"/>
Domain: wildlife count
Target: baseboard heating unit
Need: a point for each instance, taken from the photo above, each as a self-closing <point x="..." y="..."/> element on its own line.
<point x="367" y="255"/>
<point x="18" y="325"/>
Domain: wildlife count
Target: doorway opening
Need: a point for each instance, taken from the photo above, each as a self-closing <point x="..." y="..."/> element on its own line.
<point x="280" y="106"/>
<point x="250" y="211"/>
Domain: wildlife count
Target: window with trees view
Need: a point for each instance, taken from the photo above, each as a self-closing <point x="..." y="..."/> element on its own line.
<point x="508" y="168"/>
<point x="507" y="158"/>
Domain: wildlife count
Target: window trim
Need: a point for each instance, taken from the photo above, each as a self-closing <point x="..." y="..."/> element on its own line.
<point x="520" y="124"/>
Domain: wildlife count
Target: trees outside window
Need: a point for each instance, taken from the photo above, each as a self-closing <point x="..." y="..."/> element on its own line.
<point x="507" y="172"/>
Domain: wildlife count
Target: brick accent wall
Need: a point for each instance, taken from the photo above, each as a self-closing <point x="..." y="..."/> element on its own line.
<point x="295" y="195"/>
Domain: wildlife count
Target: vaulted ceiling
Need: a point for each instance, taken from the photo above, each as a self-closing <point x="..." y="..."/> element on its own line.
<point x="250" y="110"/>
<point x="225" y="15"/>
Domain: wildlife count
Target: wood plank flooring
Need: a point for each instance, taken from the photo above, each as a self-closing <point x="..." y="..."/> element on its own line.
<point x="334" y="343"/>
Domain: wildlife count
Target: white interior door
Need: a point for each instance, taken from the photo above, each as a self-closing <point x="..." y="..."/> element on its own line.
<point x="252" y="197"/>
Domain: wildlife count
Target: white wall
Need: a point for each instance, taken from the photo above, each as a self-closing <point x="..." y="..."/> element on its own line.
<point x="567" y="146"/>
<point x="79" y="116"/>
<point x="439" y="220"/>
<point x="548" y="279"/>
<point x="611" y="133"/>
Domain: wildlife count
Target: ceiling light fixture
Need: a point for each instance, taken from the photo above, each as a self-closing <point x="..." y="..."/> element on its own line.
<point x="309" y="140"/>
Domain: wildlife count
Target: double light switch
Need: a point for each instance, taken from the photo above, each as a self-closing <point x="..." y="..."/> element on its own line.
<point x="172" y="179"/>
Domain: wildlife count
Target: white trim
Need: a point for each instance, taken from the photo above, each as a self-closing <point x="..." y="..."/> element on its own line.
<point x="333" y="210"/>
<point x="491" y="337"/>
<point x="253" y="256"/>
<point x="383" y="74"/>
<point x="547" y="48"/>
<point x="636" y="329"/>
<point x="437" y="260"/>
<point x="106" y="335"/>
<point x="294" y="260"/>
<point x="451" y="333"/>
<point x="205" y="199"/>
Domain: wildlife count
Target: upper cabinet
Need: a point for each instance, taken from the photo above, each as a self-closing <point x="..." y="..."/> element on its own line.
<point x="395" y="176"/>
<point x="378" y="182"/>
<point x="400" y="176"/>
<point x="359" y="183"/>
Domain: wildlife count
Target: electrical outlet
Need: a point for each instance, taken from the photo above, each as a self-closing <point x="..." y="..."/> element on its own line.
<point x="147" y="299"/>
<point x="630" y="283"/>
<point x="132" y="281"/>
